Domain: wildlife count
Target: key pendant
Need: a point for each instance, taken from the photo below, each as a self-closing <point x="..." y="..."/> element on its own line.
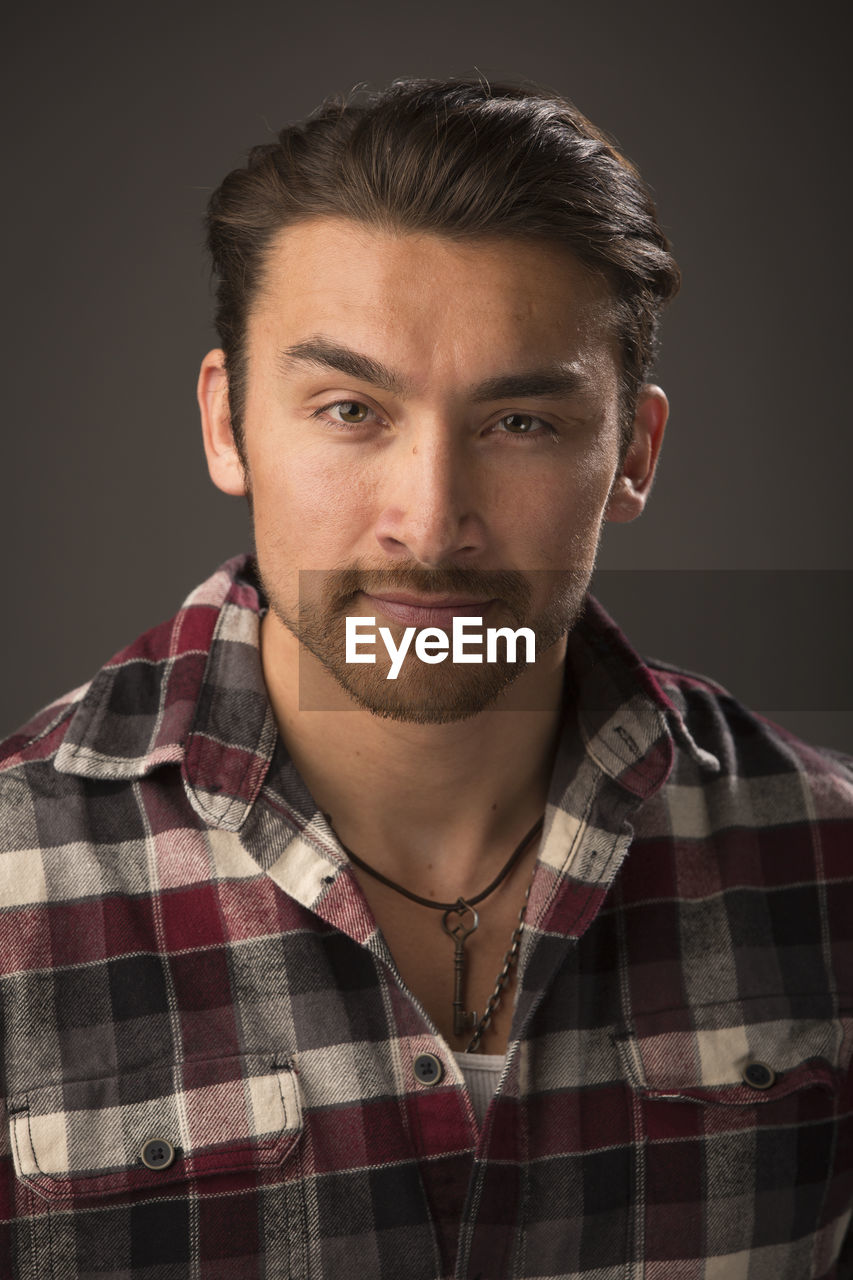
<point x="459" y="923"/>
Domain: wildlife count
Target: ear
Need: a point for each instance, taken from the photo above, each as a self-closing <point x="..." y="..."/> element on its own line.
<point x="632" y="484"/>
<point x="223" y="459"/>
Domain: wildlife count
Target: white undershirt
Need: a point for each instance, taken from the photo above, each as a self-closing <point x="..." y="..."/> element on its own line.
<point x="481" y="1072"/>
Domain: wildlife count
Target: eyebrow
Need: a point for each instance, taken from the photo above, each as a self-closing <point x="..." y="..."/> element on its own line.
<point x="558" y="379"/>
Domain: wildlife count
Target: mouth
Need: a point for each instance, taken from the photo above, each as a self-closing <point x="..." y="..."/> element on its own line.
<point x="427" y="611"/>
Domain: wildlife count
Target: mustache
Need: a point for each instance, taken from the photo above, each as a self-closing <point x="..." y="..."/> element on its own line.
<point x="506" y="585"/>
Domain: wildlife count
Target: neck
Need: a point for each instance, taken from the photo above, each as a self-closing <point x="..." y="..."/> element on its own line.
<point x="399" y="794"/>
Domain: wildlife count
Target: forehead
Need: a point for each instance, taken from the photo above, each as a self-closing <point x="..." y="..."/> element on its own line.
<point x="434" y="302"/>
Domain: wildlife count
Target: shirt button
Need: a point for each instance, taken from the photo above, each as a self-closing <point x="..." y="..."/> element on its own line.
<point x="758" y="1075"/>
<point x="428" y="1068"/>
<point x="157" y="1153"/>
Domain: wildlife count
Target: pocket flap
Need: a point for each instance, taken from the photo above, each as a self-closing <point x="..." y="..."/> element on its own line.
<point x="208" y="1116"/>
<point x="704" y="1054"/>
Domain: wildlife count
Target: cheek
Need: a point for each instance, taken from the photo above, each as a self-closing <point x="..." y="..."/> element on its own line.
<point x="306" y="498"/>
<point x="565" y="515"/>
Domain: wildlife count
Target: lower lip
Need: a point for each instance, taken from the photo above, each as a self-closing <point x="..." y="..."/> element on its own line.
<point x="428" y="616"/>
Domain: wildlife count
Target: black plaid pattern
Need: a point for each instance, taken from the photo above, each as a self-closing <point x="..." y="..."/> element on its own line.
<point x="184" y="956"/>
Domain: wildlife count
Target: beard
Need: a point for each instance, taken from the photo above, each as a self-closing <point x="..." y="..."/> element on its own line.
<point x="422" y="693"/>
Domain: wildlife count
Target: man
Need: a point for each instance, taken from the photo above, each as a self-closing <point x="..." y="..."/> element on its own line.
<point x="333" y="939"/>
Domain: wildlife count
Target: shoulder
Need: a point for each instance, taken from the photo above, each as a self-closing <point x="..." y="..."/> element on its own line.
<point x="46" y="800"/>
<point x="32" y="794"/>
<point x="40" y="737"/>
<point x="752" y="749"/>
<point x="70" y="778"/>
<point x="122" y="687"/>
<point x="136" y="710"/>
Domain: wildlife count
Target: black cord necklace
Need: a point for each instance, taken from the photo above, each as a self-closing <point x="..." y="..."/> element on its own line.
<point x="447" y="906"/>
<point x="459" y="921"/>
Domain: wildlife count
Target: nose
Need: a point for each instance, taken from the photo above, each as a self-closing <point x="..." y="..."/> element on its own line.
<point x="431" y="511"/>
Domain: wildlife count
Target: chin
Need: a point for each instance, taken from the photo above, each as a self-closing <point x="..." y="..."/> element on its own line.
<point x="428" y="697"/>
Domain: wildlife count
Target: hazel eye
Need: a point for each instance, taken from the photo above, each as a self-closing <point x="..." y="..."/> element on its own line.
<point x="520" y="424"/>
<point x="524" y="426"/>
<point x="351" y="411"/>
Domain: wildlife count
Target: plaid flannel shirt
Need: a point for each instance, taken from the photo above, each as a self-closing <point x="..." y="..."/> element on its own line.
<point x="209" y="1060"/>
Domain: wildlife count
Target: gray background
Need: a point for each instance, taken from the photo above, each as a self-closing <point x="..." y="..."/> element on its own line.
<point x="120" y="121"/>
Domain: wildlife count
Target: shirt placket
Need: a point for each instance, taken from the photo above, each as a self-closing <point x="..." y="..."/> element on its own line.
<point x="579" y="863"/>
<point x="436" y="1118"/>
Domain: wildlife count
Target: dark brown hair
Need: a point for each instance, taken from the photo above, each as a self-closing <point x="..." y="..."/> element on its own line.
<point x="463" y="158"/>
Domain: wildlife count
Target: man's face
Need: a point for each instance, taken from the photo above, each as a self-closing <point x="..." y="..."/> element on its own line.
<point x="431" y="420"/>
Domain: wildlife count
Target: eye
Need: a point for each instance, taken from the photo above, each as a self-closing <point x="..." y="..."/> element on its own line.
<point x="352" y="412"/>
<point x="524" y="424"/>
<point x="519" y="423"/>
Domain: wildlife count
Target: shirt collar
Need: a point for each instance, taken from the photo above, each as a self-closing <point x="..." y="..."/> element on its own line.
<point x="628" y="723"/>
<point x="191" y="692"/>
<point x="188" y="692"/>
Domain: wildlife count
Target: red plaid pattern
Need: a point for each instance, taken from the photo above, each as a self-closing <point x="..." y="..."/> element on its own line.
<point x="189" y="969"/>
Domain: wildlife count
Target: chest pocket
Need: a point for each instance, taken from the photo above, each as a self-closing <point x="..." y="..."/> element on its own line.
<point x="747" y="1054"/>
<point x="745" y="1117"/>
<point x="158" y="1171"/>
<point x="151" y="1128"/>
